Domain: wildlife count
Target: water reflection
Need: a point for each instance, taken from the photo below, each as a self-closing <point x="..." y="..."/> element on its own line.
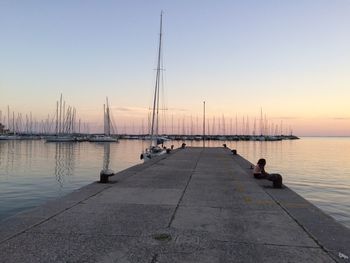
<point x="106" y="160"/>
<point x="106" y="156"/>
<point x="7" y="155"/>
<point x="64" y="161"/>
<point x="14" y="154"/>
<point x="33" y="171"/>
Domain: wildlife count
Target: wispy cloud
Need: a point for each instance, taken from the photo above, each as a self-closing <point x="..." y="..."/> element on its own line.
<point x="143" y="109"/>
<point x="340" y="118"/>
<point x="129" y="109"/>
<point x="178" y="109"/>
<point x="82" y="109"/>
<point x="286" y="118"/>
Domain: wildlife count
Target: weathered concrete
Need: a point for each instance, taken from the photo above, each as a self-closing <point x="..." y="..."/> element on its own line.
<point x="194" y="205"/>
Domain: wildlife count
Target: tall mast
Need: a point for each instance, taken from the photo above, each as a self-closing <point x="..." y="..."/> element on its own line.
<point x="63" y="128"/>
<point x="8" y="117"/>
<point x="73" y="120"/>
<point x="56" y="128"/>
<point x="154" y="128"/>
<point x="104" y="119"/>
<point x="79" y="126"/>
<point x="203" y="123"/>
<point x="60" y="118"/>
<point x="13" y="123"/>
<point x="31" y="123"/>
<point x="261" y="122"/>
<point x="236" y="125"/>
<point x="108" y="120"/>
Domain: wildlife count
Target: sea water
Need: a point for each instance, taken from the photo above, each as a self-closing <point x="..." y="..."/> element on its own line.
<point x="33" y="172"/>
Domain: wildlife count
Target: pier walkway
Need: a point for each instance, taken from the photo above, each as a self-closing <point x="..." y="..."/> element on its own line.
<point x="193" y="205"/>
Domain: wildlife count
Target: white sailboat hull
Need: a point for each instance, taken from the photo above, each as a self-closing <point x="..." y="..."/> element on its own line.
<point x="149" y="155"/>
<point x="103" y="139"/>
<point x="10" y="137"/>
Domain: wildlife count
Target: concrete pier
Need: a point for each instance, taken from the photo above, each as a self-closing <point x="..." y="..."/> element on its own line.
<point x="193" y="205"/>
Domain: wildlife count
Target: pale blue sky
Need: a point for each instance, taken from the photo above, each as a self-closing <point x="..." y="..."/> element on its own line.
<point x="290" y="57"/>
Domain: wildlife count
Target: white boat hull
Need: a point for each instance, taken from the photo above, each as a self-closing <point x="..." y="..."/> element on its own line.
<point x="9" y="137"/>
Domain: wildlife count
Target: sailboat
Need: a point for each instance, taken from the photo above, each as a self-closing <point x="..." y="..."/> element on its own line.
<point x="155" y="140"/>
<point x="63" y="121"/>
<point x="106" y="137"/>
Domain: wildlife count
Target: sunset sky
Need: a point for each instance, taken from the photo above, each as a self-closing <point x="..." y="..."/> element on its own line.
<point x="290" y="58"/>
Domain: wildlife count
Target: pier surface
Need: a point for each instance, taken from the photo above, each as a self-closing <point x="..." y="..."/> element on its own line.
<point x="193" y="205"/>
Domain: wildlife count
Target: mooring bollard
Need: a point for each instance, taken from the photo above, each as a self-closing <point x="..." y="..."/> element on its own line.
<point x="103" y="178"/>
<point x="183" y="145"/>
<point x="225" y="146"/>
<point x="104" y="174"/>
<point x="168" y="150"/>
<point x="276" y="180"/>
<point x="234" y="152"/>
<point x="277" y="183"/>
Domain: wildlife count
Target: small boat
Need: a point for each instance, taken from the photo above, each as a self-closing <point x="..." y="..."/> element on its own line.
<point x="81" y="138"/>
<point x="63" y="132"/>
<point x="9" y="137"/>
<point x="106" y="137"/>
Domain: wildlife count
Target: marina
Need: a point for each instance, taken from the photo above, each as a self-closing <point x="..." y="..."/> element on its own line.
<point x="163" y="132"/>
<point x="158" y="212"/>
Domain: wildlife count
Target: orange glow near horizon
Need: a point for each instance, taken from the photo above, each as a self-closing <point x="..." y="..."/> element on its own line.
<point x="136" y="120"/>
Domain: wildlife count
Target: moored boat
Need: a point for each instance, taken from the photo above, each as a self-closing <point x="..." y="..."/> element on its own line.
<point x="106" y="137"/>
<point x="155" y="140"/>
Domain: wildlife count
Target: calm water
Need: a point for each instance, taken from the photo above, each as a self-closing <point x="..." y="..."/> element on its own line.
<point x="32" y="172"/>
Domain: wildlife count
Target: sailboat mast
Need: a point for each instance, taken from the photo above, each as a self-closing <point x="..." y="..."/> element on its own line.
<point x="108" y="120"/>
<point x="155" y="112"/>
<point x="203" y="123"/>
<point x="8" y="117"/>
<point x="159" y="69"/>
<point x="104" y="119"/>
